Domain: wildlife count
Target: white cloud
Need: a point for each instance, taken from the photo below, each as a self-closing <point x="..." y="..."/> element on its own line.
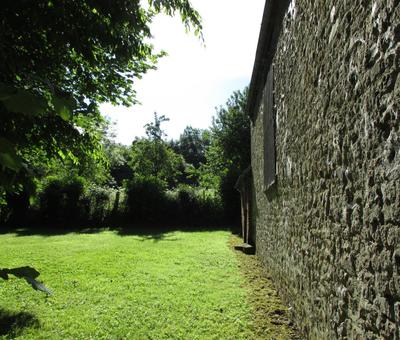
<point x="193" y="78"/>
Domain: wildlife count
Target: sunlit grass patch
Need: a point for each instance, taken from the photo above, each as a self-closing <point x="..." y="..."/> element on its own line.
<point x="176" y="285"/>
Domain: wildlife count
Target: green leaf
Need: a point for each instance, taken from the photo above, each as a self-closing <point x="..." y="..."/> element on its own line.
<point x="8" y="156"/>
<point x="25" y="102"/>
<point x="61" y="154"/>
<point x="64" y="107"/>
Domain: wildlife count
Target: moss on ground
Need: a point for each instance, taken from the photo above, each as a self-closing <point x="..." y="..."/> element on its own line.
<point x="270" y="316"/>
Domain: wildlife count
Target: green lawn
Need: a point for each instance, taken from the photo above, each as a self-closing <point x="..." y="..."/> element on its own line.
<point x="177" y="285"/>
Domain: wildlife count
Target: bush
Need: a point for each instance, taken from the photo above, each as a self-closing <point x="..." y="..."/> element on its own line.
<point x="103" y="204"/>
<point x="72" y="201"/>
<point x="60" y="200"/>
<point x="230" y="198"/>
<point x="4" y="209"/>
<point x="198" y="206"/>
<point x="146" y="199"/>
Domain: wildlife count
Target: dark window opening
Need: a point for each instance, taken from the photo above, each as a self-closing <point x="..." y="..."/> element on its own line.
<point x="269" y="132"/>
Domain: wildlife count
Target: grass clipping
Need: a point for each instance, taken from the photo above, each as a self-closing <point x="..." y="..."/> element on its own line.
<point x="270" y="315"/>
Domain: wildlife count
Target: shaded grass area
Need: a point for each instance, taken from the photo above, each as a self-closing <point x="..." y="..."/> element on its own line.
<point x="148" y="230"/>
<point x="164" y="285"/>
<point x="13" y="324"/>
<point x="270" y="316"/>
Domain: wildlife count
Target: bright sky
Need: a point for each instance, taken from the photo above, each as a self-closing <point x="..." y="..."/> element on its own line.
<point x="193" y="79"/>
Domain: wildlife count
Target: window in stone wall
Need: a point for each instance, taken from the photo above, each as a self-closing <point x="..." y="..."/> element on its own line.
<point x="269" y="132"/>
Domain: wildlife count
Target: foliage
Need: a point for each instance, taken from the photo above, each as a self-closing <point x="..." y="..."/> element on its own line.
<point x="231" y="131"/>
<point x="229" y="153"/>
<point x="60" y="200"/>
<point x="153" y="129"/>
<point x="103" y="204"/>
<point x="119" y="157"/>
<point x="196" y="206"/>
<point x="59" y="60"/>
<point x="156" y="159"/>
<point x="152" y="157"/>
<point x="189" y="181"/>
<point x="146" y="200"/>
<point x="73" y="201"/>
<point x="192" y="145"/>
<point x="4" y="210"/>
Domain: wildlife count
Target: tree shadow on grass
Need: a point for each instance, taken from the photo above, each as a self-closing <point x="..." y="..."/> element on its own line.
<point x="163" y="233"/>
<point x="12" y="324"/>
<point x="154" y="232"/>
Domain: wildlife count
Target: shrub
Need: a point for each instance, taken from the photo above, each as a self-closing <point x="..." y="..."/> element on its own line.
<point x="230" y="198"/>
<point x="74" y="201"/>
<point x="4" y="210"/>
<point x="103" y="204"/>
<point x="60" y="200"/>
<point x="146" y="199"/>
<point x="198" y="206"/>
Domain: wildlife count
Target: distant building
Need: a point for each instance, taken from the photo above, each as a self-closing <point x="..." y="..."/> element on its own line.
<point x="324" y="186"/>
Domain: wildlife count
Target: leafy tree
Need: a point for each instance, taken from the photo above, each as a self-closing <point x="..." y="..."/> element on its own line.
<point x="59" y="60"/>
<point x="150" y="158"/>
<point x="229" y="153"/>
<point x="192" y="145"/>
<point x="231" y="131"/>
<point x="153" y="129"/>
<point x="153" y="157"/>
<point x="119" y="157"/>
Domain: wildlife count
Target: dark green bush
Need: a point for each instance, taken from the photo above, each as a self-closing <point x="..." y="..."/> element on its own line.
<point x="197" y="206"/>
<point x="4" y="209"/>
<point x="146" y="199"/>
<point x="102" y="203"/>
<point x="230" y="198"/>
<point x="60" y="200"/>
<point x="72" y="201"/>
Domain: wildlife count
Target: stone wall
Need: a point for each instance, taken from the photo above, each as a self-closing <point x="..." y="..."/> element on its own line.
<point x="330" y="229"/>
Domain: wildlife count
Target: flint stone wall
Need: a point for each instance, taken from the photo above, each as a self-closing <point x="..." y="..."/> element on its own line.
<point x="330" y="229"/>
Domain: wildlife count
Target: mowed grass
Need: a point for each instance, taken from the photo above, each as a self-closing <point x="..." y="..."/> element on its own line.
<point x="176" y="285"/>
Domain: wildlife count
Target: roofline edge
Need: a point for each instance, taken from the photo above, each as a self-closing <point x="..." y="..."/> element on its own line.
<point x="274" y="12"/>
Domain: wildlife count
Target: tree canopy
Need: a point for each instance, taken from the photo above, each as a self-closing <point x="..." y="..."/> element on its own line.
<point x="192" y="145"/>
<point x="153" y="157"/>
<point x="229" y="153"/>
<point x="59" y="61"/>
